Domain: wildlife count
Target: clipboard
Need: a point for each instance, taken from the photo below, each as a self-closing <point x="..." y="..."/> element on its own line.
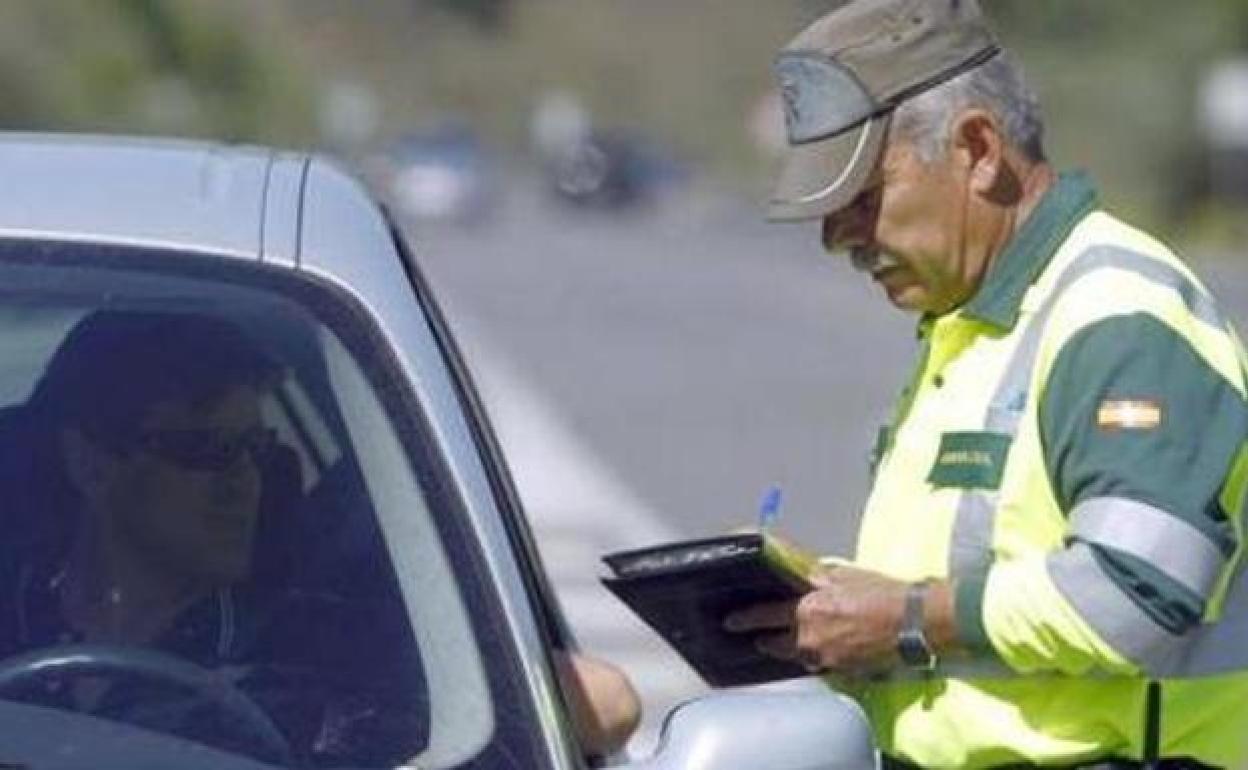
<point x="684" y="590"/>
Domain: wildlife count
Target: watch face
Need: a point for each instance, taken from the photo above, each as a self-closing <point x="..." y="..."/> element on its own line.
<point x="914" y="649"/>
<point x="912" y="644"/>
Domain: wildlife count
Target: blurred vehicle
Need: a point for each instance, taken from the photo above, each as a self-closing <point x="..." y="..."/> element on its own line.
<point x="1224" y="119"/>
<point x="604" y="170"/>
<point x="407" y="619"/>
<point x="446" y="174"/>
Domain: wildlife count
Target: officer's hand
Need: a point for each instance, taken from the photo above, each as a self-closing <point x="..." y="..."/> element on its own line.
<point x="848" y="623"/>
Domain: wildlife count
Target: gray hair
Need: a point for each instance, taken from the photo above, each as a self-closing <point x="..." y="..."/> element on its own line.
<point x="998" y="86"/>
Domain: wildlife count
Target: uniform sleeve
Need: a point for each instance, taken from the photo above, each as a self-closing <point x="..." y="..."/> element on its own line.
<point x="1139" y="436"/>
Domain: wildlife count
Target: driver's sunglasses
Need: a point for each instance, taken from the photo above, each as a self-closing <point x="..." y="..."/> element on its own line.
<point x="207" y="450"/>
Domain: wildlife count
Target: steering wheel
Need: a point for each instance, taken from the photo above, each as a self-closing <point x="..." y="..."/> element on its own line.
<point x="19" y="671"/>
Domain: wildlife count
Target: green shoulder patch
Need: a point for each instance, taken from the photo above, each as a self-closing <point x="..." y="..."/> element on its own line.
<point x="970" y="460"/>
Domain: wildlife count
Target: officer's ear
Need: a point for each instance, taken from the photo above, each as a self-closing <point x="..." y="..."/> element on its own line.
<point x="979" y="149"/>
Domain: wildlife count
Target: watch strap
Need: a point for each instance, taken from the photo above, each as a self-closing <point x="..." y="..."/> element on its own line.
<point x="912" y="645"/>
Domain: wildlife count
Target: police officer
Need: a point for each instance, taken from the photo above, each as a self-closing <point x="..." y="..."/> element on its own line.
<point x="1048" y="569"/>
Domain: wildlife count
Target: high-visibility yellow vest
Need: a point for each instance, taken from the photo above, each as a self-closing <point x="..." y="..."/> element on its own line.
<point x="964" y="489"/>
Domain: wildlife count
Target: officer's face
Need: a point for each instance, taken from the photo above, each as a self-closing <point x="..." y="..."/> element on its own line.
<point x="908" y="230"/>
<point x="185" y="498"/>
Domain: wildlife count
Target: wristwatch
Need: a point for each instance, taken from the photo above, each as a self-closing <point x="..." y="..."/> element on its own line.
<point x="912" y="643"/>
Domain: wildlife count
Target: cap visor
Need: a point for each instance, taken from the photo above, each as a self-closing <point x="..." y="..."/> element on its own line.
<point x="819" y="178"/>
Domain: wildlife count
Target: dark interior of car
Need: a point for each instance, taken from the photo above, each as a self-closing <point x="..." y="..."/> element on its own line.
<point x="331" y="695"/>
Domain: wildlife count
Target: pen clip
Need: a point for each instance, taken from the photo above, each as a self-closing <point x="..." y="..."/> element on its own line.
<point x="769" y="508"/>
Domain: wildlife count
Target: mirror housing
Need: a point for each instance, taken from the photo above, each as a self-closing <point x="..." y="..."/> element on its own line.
<point x="762" y="729"/>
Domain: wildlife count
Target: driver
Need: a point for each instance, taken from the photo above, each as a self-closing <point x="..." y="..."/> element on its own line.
<point x="159" y="459"/>
<point x="157" y="424"/>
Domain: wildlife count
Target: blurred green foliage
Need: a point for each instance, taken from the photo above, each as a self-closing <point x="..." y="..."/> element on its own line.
<point x="1120" y="81"/>
<point x="1119" y="78"/>
<point x="488" y="14"/>
<point x="151" y="66"/>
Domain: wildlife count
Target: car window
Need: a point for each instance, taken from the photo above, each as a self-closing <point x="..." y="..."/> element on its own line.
<point x="226" y="529"/>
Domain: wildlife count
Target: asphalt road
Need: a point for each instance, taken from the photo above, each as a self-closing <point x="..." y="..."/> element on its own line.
<point x="703" y="354"/>
<point x="652" y="374"/>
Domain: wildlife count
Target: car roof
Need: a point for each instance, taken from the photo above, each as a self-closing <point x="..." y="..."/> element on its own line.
<point x="291" y="210"/>
<point x="200" y="196"/>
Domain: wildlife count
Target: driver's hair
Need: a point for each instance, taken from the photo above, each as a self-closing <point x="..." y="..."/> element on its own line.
<point x="115" y="365"/>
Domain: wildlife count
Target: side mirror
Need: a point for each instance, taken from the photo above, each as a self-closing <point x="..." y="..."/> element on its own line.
<point x="759" y="729"/>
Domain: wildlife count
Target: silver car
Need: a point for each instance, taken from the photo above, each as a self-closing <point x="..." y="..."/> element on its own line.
<point x="253" y="512"/>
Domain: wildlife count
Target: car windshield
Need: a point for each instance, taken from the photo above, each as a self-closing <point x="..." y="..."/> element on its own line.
<point x="224" y="545"/>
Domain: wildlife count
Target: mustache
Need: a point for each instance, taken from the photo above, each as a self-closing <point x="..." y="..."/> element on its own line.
<point x="871" y="260"/>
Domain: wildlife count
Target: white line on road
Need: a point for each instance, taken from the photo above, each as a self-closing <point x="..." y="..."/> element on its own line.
<point x="580" y="509"/>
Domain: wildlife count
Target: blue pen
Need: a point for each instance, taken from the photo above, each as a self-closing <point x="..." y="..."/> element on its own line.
<point x="769" y="508"/>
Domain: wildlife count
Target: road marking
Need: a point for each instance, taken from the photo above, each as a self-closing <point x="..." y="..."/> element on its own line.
<point x="580" y="509"/>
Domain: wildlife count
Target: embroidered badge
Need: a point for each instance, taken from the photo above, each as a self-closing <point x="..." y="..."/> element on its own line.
<point x="1128" y="414"/>
<point x="970" y="460"/>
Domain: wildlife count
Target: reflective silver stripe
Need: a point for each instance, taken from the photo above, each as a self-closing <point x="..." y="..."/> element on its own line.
<point x="1115" y="617"/>
<point x="971" y="539"/>
<point x="1153" y="535"/>
<point x="1198" y="303"/>
<point x="1217" y="648"/>
<point x="970" y="546"/>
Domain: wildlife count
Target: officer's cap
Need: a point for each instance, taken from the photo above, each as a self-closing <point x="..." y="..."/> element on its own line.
<point x="840" y="80"/>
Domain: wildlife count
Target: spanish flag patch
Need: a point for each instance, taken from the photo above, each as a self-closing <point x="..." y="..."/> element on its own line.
<point x="1134" y="414"/>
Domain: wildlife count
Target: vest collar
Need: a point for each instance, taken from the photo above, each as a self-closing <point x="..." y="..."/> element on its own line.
<point x="1027" y="254"/>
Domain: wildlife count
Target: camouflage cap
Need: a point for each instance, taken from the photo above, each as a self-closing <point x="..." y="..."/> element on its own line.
<point x="844" y="74"/>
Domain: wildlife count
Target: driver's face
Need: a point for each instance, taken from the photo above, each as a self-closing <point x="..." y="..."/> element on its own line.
<point x="187" y="497"/>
